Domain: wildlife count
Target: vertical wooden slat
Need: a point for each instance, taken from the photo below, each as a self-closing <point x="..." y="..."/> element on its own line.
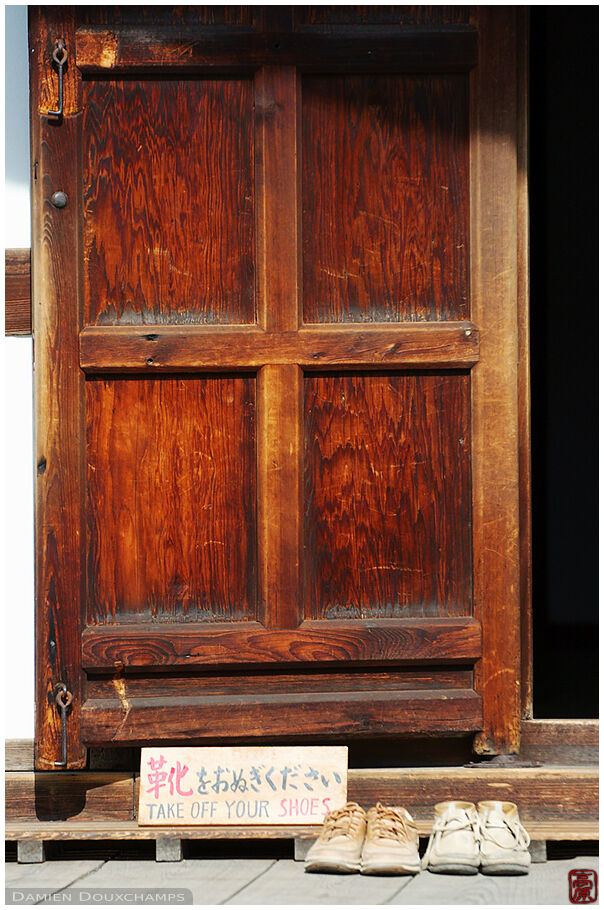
<point x="58" y="391"/>
<point x="280" y="402"/>
<point x="493" y="171"/>
<point x="276" y="195"/>
<point x="524" y="389"/>
<point x="49" y="24"/>
<point x="280" y="386"/>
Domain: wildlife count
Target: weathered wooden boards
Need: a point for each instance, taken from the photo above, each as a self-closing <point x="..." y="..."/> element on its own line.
<point x="495" y="480"/>
<point x="556" y="802"/>
<point x="58" y="392"/>
<point x="17" y="292"/>
<point x="270" y="882"/>
<point x="259" y="321"/>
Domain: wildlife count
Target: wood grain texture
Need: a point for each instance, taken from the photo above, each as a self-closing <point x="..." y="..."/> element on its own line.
<point x="18" y="754"/>
<point x="280" y="385"/>
<point x="264" y="681"/>
<point x="565" y="829"/>
<point x="46" y="25"/>
<point x="438" y="641"/>
<point x="495" y="458"/>
<point x="293" y="715"/>
<point x="59" y="433"/>
<point x="194" y="50"/>
<point x="172" y="491"/>
<point x="385" y="198"/>
<point x="157" y="349"/>
<point x="276" y="107"/>
<point x="17" y="292"/>
<point x="567" y="742"/>
<point x="387" y="486"/>
<point x="169" y="211"/>
<point x="543" y="795"/>
<point x="280" y="490"/>
<point x="237" y="17"/>
<point x="69" y="795"/>
<point x="380" y="15"/>
<point x="33" y="830"/>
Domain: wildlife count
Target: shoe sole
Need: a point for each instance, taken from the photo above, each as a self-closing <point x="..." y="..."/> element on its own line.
<point x="389" y="869"/>
<point x="337" y="867"/>
<point x="504" y="869"/>
<point x="453" y="869"/>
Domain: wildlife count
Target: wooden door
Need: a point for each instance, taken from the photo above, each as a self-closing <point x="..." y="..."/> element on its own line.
<point x="275" y="329"/>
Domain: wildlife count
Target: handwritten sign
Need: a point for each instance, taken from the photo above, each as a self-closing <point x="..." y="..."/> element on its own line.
<point x="241" y="785"/>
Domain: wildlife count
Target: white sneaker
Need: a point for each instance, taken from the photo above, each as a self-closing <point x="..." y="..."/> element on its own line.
<point x="454" y="845"/>
<point x="503" y="841"/>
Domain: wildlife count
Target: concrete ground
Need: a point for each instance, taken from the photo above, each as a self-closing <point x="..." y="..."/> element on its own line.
<point x="269" y="881"/>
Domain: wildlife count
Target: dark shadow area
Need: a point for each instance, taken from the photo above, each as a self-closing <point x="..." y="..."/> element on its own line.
<point x="569" y="849"/>
<point x="59" y="798"/>
<point x="97" y="849"/>
<point x="563" y="130"/>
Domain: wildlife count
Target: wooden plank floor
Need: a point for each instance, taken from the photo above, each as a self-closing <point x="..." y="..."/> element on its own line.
<point x="282" y="881"/>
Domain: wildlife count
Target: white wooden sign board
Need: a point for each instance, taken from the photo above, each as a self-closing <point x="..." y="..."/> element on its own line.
<point x="242" y="785"/>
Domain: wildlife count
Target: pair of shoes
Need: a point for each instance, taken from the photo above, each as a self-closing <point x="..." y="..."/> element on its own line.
<point x="383" y="841"/>
<point x="464" y="840"/>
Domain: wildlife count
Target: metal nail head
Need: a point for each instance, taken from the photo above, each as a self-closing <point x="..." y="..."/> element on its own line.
<point x="59" y="199"/>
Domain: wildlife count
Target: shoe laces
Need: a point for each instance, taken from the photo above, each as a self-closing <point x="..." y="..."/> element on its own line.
<point x="388" y="822"/>
<point x="452" y="820"/>
<point x="342" y="822"/>
<point x="490" y="824"/>
<point x="461" y="820"/>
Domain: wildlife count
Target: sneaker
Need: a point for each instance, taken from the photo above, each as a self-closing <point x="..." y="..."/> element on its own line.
<point x="391" y="843"/>
<point x="454" y="845"/>
<point x="340" y="842"/>
<point x="503" y="841"/>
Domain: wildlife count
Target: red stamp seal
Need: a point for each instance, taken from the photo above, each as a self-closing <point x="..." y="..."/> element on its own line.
<point x="582" y="886"/>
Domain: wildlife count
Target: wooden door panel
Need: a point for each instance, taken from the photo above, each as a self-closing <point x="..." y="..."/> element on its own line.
<point x="171" y="499"/>
<point x="168" y="201"/>
<point x="388" y="500"/>
<point x="264" y="264"/>
<point x="385" y="158"/>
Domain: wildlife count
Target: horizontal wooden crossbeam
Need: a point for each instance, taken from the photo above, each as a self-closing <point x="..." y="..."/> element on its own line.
<point x="190" y="49"/>
<point x="453" y="639"/>
<point x="327" y="714"/>
<point x="179" y="348"/>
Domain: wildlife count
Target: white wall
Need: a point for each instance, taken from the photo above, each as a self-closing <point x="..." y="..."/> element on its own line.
<point x="18" y="461"/>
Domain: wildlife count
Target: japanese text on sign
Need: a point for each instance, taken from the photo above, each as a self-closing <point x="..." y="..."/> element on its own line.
<point x="241" y="785"/>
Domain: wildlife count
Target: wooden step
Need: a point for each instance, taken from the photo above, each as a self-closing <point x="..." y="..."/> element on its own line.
<point x="567" y="742"/>
<point x="119" y="830"/>
<point x="563" y="801"/>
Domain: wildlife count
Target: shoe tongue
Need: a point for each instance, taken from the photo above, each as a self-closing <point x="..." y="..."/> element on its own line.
<point x="500" y="808"/>
<point x="456" y="810"/>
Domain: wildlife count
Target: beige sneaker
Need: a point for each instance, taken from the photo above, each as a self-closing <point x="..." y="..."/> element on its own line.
<point x="503" y="841"/>
<point x="454" y="844"/>
<point x="391" y="843"/>
<point x="340" y="842"/>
